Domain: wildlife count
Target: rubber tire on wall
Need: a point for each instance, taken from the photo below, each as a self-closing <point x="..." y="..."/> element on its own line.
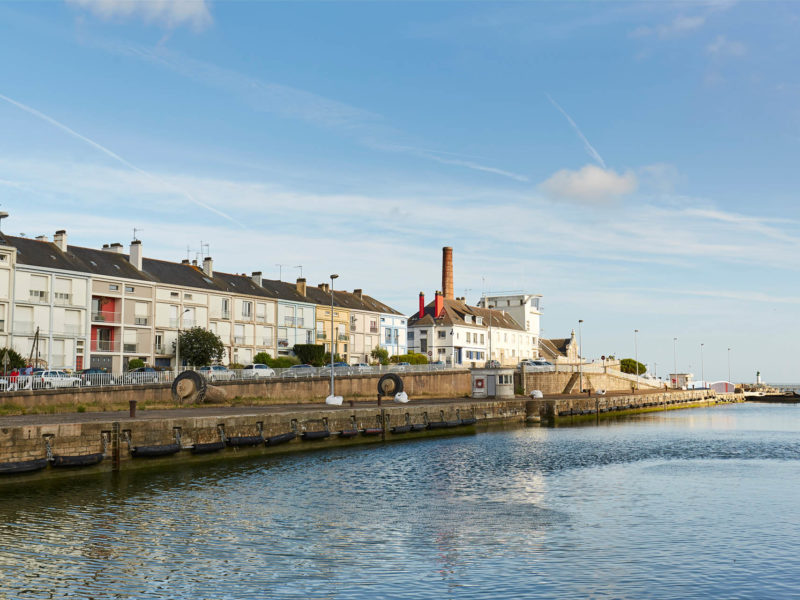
<point x="199" y="385"/>
<point x="398" y="384"/>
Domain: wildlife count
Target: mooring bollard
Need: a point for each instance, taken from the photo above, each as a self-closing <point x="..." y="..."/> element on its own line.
<point x="132" y="405"/>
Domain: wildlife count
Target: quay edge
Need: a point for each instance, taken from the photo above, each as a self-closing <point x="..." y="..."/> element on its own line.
<point x="116" y="438"/>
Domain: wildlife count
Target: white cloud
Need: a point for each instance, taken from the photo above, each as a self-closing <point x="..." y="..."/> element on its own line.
<point x="589" y="184"/>
<point x="721" y="46"/>
<point x="166" y="13"/>
<point x="678" y="26"/>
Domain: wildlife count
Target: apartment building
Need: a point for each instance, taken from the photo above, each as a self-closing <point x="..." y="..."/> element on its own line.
<point x="296" y="313"/>
<point x="525" y="309"/>
<point x="392" y="334"/>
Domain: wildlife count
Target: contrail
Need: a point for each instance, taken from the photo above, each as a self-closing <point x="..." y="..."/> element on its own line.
<point x="589" y="148"/>
<point x="118" y="158"/>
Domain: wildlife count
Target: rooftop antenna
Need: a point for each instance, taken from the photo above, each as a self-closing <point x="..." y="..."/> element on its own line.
<point x="301" y="270"/>
<point x="280" y="271"/>
<point x="188" y="252"/>
<point x="205" y="249"/>
<point x="135" y="231"/>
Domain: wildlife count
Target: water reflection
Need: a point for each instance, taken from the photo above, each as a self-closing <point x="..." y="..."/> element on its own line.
<point x="629" y="508"/>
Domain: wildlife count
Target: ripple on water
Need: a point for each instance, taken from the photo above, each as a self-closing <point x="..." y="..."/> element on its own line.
<point x="660" y="507"/>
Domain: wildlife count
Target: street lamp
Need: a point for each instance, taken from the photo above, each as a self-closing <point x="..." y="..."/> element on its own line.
<point x="702" y="366"/>
<point x="580" y="360"/>
<point x="178" y="342"/>
<point x="729" y="366"/>
<point x="333" y="339"/>
<point x="636" y="355"/>
<point x="675" y="356"/>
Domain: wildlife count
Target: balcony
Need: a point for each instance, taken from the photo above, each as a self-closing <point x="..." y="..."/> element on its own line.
<point x="106" y="316"/>
<point x="181" y="323"/>
<point x="140" y="320"/>
<point x="38" y="296"/>
<point x="238" y="340"/>
<point x="226" y="314"/>
<point x="373" y="329"/>
<point x="289" y="322"/>
<point x="62" y="299"/>
<point x="162" y="350"/>
<point x="266" y="343"/>
<point x="105" y="346"/>
<point x="321" y="335"/>
<point x="130" y="348"/>
<point x="342" y="337"/>
<point x="283" y="343"/>
<point x="24" y="327"/>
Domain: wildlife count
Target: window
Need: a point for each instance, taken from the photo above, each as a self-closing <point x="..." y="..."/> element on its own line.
<point x="482" y="339"/>
<point x="410" y="336"/>
<point x="247" y="310"/>
<point x="442" y="335"/>
<point x="174" y="294"/>
<point x="3" y="257"/>
<point x="388" y="336"/>
<point x="469" y="337"/>
<point x="479" y="320"/>
<point x="113" y="287"/>
<point x="187" y="296"/>
<point x="226" y="308"/>
<point x="129" y="289"/>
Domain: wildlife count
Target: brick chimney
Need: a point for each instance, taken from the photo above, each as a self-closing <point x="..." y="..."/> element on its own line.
<point x="208" y="266"/>
<point x="301" y="286"/>
<point x="256" y="277"/>
<point x="358" y="293"/>
<point x="438" y="305"/>
<point x="447" y="272"/>
<point x="60" y="239"/>
<point x="185" y="261"/>
<point x="116" y="248"/>
<point x="324" y="287"/>
<point x="135" y="256"/>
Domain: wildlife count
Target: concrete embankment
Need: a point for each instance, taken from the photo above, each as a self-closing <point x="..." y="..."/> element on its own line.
<point x="63" y="445"/>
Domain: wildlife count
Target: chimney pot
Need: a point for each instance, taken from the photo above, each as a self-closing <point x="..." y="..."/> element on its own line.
<point x="359" y="293"/>
<point x="301" y="286"/>
<point x="421" y="305"/>
<point x="438" y="305"/>
<point x="41" y="238"/>
<point x="185" y="261"/>
<point x="116" y="247"/>
<point x="208" y="266"/>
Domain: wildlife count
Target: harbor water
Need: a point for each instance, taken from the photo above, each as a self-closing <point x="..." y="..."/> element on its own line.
<point x="699" y="503"/>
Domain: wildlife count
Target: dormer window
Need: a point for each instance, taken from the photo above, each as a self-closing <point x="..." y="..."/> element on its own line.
<point x="479" y="320"/>
<point x="467" y="318"/>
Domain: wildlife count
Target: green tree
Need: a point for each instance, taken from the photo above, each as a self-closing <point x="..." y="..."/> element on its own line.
<point x="135" y="363"/>
<point x="15" y="360"/>
<point x="336" y="358"/>
<point x="200" y="347"/>
<point x="262" y="358"/>
<point x="629" y="365"/>
<point x="283" y="362"/>
<point x="310" y="354"/>
<point x="380" y="354"/>
<point x="414" y="358"/>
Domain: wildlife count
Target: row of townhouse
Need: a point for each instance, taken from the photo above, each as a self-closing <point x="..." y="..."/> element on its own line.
<point x="68" y="306"/>
<point x="502" y="327"/>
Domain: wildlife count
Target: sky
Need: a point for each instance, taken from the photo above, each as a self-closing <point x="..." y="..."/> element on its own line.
<point x="634" y="163"/>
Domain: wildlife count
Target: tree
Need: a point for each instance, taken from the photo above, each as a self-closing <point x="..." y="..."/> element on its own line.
<point x="262" y="358"/>
<point x="200" y="347"/>
<point x="336" y="358"/>
<point x="414" y="358"/>
<point x="380" y="354"/>
<point x="15" y="360"/>
<point x="310" y="354"/>
<point x="135" y="363"/>
<point x="629" y="365"/>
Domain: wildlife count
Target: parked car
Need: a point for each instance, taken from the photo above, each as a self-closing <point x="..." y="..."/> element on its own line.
<point x="401" y="366"/>
<point x="256" y="371"/>
<point x="300" y="371"/>
<point x="538" y="364"/>
<point x="141" y="375"/>
<point x="216" y="373"/>
<point x="361" y="368"/>
<point x="51" y="379"/>
<point x="95" y="376"/>
<point x="339" y="368"/>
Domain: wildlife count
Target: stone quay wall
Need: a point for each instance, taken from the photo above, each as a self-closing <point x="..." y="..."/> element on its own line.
<point x="116" y="439"/>
<point x="439" y="384"/>
<point x="560" y="383"/>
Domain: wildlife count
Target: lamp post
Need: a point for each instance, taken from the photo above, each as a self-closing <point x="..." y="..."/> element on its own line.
<point x="580" y="359"/>
<point x="675" y="357"/>
<point x="333" y="338"/>
<point x="490" y="307"/>
<point x="729" y="367"/>
<point x="178" y="342"/>
<point x="702" y="367"/>
<point x="636" y="355"/>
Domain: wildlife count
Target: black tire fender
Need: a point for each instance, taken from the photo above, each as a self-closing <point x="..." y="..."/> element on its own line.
<point x="390" y="384"/>
<point x="195" y="393"/>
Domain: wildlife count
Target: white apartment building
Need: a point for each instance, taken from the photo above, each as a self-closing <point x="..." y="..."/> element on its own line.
<point x="525" y="309"/>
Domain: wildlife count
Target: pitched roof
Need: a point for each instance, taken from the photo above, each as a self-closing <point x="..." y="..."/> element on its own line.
<point x="454" y="311"/>
<point x="554" y="347"/>
<point x="241" y="284"/>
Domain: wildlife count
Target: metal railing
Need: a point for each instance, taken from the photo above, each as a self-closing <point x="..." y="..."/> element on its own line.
<point x="131" y="348"/>
<point x="39" y="296"/>
<point x="322" y="336"/>
<point x="105" y="316"/>
<point x="62" y="299"/>
<point x="140" y="320"/>
<point x="66" y="379"/>
<point x="105" y="346"/>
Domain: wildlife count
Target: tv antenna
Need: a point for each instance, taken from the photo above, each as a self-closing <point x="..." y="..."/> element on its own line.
<point x="135" y="231"/>
<point x="280" y="271"/>
<point x="301" y="270"/>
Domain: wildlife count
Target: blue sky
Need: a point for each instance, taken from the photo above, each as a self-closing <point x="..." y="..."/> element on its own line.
<point x="635" y="163"/>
